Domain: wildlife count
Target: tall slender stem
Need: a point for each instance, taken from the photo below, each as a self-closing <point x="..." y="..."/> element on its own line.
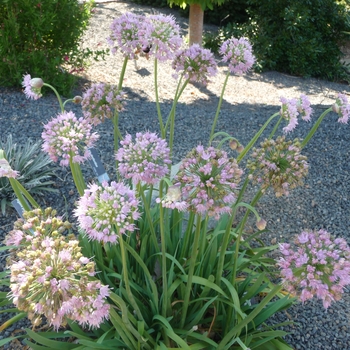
<point x="191" y="271"/>
<point x="219" y="105"/>
<point x="57" y="95"/>
<point x="315" y="127"/>
<point x="161" y="124"/>
<point x="77" y="176"/>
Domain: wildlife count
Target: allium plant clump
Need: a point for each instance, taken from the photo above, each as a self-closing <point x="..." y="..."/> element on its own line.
<point x="49" y="275"/>
<point x="166" y="279"/>
<point x="278" y="164"/>
<point x="101" y="101"/>
<point x="146" y="159"/>
<point x="318" y="265"/>
<point x="68" y="137"/>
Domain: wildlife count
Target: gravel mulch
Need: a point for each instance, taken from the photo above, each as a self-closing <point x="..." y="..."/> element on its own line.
<point x="323" y="202"/>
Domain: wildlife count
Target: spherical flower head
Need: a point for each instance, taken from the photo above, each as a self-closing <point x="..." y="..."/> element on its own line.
<point x="32" y="87"/>
<point x="291" y="108"/>
<point x="195" y="63"/>
<point x="160" y="35"/>
<point x="106" y="211"/>
<point x="69" y="138"/>
<point x="238" y="53"/>
<point x="319" y="265"/>
<point x="279" y="164"/>
<point x="125" y="35"/>
<point x="209" y="180"/>
<point x="6" y="170"/>
<point x="173" y="199"/>
<point x="146" y="159"/>
<point x="101" y="101"/>
<point x="342" y="108"/>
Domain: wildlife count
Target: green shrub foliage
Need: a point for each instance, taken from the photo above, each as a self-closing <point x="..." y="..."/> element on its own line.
<point x="299" y="37"/>
<point x="40" y="37"/>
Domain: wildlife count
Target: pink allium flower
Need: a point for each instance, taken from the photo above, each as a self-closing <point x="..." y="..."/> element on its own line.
<point x="318" y="266"/>
<point x="32" y="87"/>
<point x="342" y="107"/>
<point x="6" y="170"/>
<point x="209" y="180"/>
<point x="160" y="35"/>
<point x="173" y="199"/>
<point x="195" y="63"/>
<point x="291" y="108"/>
<point x="279" y="164"/>
<point x="239" y="55"/>
<point x="145" y="160"/>
<point x="68" y="137"/>
<point x="125" y="34"/>
<point x="49" y="275"/>
<point x="100" y="102"/>
<point x="14" y="237"/>
<point x="105" y="211"/>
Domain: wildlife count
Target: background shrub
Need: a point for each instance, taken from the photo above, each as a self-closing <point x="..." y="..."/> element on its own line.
<point x="39" y="37"/>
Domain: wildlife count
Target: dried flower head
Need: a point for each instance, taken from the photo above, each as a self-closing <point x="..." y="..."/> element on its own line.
<point x="318" y="265"/>
<point x="69" y="138"/>
<point x="238" y="53"/>
<point x="195" y="63"/>
<point x="291" y="108"/>
<point x="160" y="35"/>
<point x="100" y="102"/>
<point x="32" y="87"/>
<point x="125" y="35"/>
<point x="105" y="211"/>
<point x="209" y="181"/>
<point x="6" y="170"/>
<point x="145" y="160"/>
<point x="279" y="164"/>
<point x="50" y="277"/>
<point x="342" y="108"/>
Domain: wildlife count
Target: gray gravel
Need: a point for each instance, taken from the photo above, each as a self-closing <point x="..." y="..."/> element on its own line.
<point x="323" y="202"/>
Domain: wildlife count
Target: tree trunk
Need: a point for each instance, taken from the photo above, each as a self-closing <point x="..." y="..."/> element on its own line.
<point x="196" y="24"/>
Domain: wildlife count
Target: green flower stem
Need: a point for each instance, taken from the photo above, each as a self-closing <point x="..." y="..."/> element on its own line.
<point x="204" y="238"/>
<point x="186" y="237"/>
<point x="77" y="176"/>
<point x="171" y="117"/>
<point x="255" y="138"/>
<point x="19" y="195"/>
<point x="229" y="138"/>
<point x="220" y="133"/>
<point x="148" y="215"/>
<point x="191" y="271"/>
<point x="69" y="100"/>
<point x="161" y="124"/>
<point x="219" y="105"/>
<point x="275" y="128"/>
<point x="126" y="277"/>
<point x="57" y="95"/>
<point x="122" y="74"/>
<point x="26" y="194"/>
<point x="315" y="127"/>
<point x="240" y="231"/>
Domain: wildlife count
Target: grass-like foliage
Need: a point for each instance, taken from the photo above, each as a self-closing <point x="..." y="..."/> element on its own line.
<point x="40" y="37"/>
<point x="35" y="169"/>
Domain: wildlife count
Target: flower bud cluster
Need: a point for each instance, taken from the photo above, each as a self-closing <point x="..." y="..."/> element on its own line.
<point x="6" y="170"/>
<point x="342" y="108"/>
<point x="104" y="211"/>
<point x="209" y="181"/>
<point x="318" y="266"/>
<point x="49" y="275"/>
<point x="279" y="164"/>
<point x="291" y="108"/>
<point x="195" y="63"/>
<point x="100" y="102"/>
<point x="32" y="87"/>
<point x="69" y="138"/>
<point x="238" y="53"/>
<point x="145" y="160"/>
<point x="173" y="199"/>
<point x="135" y="35"/>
